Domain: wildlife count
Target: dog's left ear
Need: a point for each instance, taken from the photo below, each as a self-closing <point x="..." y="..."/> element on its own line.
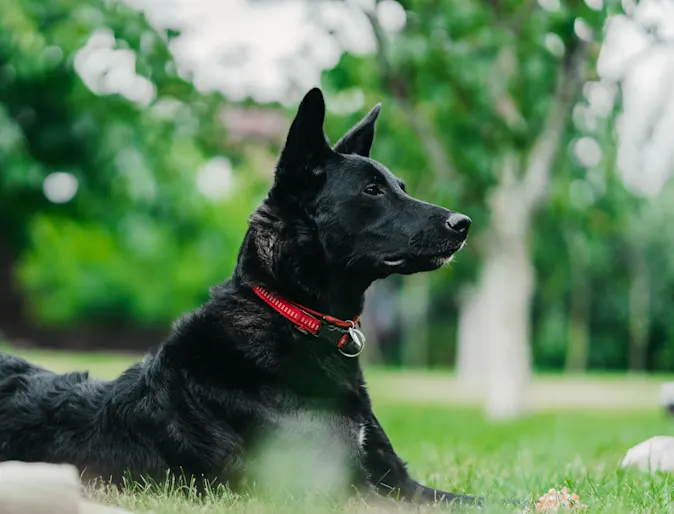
<point x="359" y="139"/>
<point x="306" y="143"/>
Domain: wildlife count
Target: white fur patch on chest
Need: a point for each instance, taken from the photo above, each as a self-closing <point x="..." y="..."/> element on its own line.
<point x="362" y="433"/>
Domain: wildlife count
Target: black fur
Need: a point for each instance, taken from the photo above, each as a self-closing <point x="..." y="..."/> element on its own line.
<point x="235" y="373"/>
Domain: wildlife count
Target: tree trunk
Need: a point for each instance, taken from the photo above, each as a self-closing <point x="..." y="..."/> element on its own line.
<point x="505" y="288"/>
<point x="639" y="305"/>
<point x="414" y="319"/>
<point x="494" y="324"/>
<point x="579" y="310"/>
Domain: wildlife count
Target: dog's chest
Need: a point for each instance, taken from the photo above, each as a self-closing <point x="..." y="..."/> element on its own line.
<point x="362" y="434"/>
<point x="311" y="429"/>
<point x="307" y="450"/>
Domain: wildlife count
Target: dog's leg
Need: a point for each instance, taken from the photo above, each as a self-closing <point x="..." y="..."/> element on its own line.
<point x="388" y="473"/>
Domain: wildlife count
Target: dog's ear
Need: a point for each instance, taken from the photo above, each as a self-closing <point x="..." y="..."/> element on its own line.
<point x="306" y="143"/>
<point x="359" y="139"/>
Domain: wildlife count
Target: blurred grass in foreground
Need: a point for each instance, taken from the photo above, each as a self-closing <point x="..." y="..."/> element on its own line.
<point x="451" y="446"/>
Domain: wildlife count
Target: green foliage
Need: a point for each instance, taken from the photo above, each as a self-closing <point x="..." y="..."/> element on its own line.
<point x="140" y="272"/>
<point x="138" y="242"/>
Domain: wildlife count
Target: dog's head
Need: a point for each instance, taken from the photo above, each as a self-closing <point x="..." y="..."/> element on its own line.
<point x="357" y="211"/>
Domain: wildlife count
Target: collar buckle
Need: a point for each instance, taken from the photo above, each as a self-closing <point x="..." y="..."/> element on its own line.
<point x="354" y="343"/>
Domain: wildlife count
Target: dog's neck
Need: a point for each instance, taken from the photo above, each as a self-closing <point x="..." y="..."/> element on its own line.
<point x="288" y="260"/>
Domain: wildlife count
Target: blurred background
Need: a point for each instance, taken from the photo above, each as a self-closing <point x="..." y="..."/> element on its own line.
<point x="136" y="137"/>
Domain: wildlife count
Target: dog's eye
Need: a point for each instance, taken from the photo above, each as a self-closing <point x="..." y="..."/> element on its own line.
<point x="373" y="190"/>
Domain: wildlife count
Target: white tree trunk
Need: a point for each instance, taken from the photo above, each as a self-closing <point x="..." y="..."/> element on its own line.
<point x="506" y="286"/>
<point x="494" y="325"/>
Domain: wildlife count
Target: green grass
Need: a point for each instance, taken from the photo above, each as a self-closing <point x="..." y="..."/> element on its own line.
<point x="451" y="446"/>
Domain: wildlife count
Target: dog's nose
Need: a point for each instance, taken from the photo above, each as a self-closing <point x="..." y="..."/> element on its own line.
<point x="459" y="223"/>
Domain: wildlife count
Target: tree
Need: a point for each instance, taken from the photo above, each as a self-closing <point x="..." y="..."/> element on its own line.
<point x="488" y="91"/>
<point x="91" y="106"/>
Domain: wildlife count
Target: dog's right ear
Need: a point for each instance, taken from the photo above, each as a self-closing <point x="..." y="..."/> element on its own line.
<point x="306" y="144"/>
<point x="359" y="139"/>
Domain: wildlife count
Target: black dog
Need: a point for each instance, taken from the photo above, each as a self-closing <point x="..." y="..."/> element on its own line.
<point x="252" y="376"/>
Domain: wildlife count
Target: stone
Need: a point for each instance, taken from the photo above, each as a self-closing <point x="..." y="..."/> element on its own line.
<point x="654" y="454"/>
<point x="43" y="488"/>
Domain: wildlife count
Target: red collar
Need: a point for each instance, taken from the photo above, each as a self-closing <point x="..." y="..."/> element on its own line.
<point x="308" y="321"/>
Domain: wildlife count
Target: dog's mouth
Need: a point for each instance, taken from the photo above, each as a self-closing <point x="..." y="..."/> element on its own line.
<point x="401" y="263"/>
<point x="394" y="262"/>
<point x="423" y="260"/>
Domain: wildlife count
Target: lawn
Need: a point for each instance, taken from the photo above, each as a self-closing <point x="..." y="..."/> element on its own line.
<point x="449" y="444"/>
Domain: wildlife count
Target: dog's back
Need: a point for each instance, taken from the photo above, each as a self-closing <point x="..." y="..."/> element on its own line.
<point x="51" y="417"/>
<point x="22" y="381"/>
<point x="33" y="398"/>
